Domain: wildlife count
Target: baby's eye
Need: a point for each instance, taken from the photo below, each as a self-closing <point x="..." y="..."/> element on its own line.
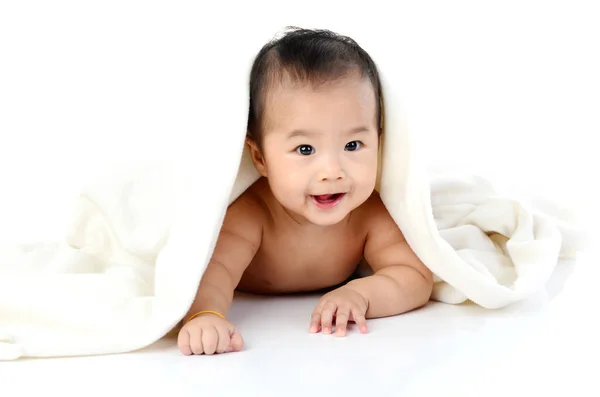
<point x="305" y="150"/>
<point x="352" y="146"/>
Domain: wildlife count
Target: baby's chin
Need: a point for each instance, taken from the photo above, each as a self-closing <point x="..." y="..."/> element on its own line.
<point x="328" y="217"/>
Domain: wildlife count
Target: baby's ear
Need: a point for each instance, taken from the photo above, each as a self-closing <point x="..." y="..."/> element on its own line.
<point x="257" y="157"/>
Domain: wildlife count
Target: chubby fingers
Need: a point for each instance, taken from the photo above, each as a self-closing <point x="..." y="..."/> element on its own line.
<point x="315" y="320"/>
<point x="329" y="310"/>
<point x="322" y="318"/>
<point x="210" y="339"/>
<point x="183" y="342"/>
<point x="196" y="341"/>
<point x="341" y="320"/>
<point x="236" y="341"/>
<point x="359" y="318"/>
<point x="223" y="342"/>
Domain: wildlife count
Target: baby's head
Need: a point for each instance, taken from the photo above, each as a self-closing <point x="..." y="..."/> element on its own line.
<point x="314" y="123"/>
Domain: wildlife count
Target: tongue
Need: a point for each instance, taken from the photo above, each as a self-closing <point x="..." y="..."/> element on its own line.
<point x="326" y="197"/>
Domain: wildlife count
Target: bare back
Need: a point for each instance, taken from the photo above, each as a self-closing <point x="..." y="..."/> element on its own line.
<point x="299" y="258"/>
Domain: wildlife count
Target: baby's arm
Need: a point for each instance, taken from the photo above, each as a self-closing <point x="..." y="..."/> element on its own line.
<point x="238" y="242"/>
<point x="400" y="281"/>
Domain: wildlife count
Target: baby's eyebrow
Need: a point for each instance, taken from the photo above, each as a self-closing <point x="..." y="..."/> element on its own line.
<point x="358" y="130"/>
<point x="305" y="133"/>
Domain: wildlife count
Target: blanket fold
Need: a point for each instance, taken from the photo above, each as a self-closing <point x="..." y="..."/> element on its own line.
<point x="128" y="269"/>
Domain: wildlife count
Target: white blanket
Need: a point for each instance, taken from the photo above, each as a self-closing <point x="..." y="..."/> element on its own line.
<point x="140" y="240"/>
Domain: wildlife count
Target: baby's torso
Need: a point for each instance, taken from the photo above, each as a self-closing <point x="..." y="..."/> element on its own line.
<point x="306" y="260"/>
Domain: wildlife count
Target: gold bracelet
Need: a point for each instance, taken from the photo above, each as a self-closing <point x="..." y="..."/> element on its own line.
<point x="203" y="312"/>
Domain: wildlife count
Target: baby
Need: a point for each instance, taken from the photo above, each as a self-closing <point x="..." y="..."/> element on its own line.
<point x="314" y="215"/>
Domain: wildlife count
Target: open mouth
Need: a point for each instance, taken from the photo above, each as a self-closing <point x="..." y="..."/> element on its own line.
<point x="328" y="200"/>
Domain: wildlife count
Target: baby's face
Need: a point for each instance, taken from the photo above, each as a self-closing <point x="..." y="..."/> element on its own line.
<point x="320" y="148"/>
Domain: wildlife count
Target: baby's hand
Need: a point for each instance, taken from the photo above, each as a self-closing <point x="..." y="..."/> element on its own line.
<point x="345" y="305"/>
<point x="209" y="334"/>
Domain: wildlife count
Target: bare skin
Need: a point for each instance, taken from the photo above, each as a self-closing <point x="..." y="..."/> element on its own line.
<point x="331" y="253"/>
<point x="280" y="236"/>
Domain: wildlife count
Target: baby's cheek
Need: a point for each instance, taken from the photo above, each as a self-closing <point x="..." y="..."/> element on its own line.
<point x="366" y="175"/>
<point x="286" y="189"/>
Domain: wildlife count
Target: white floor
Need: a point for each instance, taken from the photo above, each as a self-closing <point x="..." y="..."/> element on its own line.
<point x="546" y="344"/>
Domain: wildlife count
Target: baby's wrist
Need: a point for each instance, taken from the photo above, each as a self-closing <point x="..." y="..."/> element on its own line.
<point x="203" y="312"/>
<point x="360" y="286"/>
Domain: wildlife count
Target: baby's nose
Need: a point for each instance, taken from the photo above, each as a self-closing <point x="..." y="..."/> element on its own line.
<point x="331" y="171"/>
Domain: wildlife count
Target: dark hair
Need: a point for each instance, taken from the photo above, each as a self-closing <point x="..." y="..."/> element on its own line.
<point x="312" y="56"/>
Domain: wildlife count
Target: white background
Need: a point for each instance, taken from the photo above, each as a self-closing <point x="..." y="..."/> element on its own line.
<point x="510" y="89"/>
<point x="505" y="89"/>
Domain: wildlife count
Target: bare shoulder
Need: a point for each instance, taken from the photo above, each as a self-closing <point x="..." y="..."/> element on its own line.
<point x="247" y="213"/>
<point x="385" y="243"/>
<point x="376" y="219"/>
<point x="240" y="235"/>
